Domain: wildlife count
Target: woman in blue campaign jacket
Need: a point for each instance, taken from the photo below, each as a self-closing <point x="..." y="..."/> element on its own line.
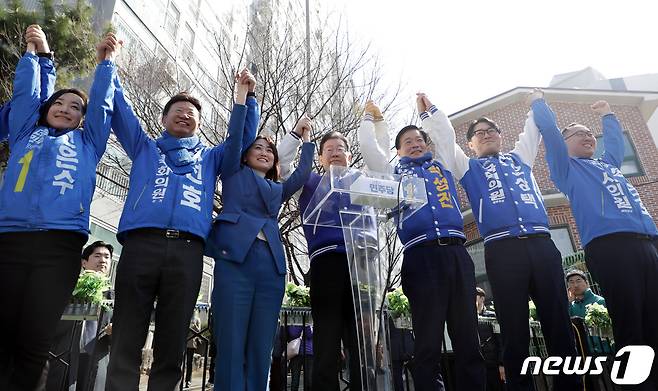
<point x="44" y="205"/>
<point x="249" y="259"/>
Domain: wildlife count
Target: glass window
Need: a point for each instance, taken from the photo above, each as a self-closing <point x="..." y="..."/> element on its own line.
<point x="171" y="20"/>
<point x="188" y="35"/>
<point x="631" y="164"/>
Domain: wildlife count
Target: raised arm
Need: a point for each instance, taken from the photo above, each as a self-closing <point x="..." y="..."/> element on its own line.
<point x="125" y="125"/>
<point x="233" y="144"/>
<point x="372" y="130"/>
<point x="557" y="155"/>
<point x="101" y="95"/>
<point x="440" y="130"/>
<point x="26" y="98"/>
<point x="527" y="145"/>
<point x="290" y="144"/>
<point x="301" y="174"/>
<point x="613" y="139"/>
<point x="48" y="77"/>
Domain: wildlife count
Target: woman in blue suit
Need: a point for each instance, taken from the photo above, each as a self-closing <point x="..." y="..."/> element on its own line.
<point x="250" y="264"/>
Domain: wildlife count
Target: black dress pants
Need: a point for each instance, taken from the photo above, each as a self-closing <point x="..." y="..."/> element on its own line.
<point x="38" y="271"/>
<point x="626" y="268"/>
<point x="332" y="308"/>
<point x="439" y="282"/>
<point x="519" y="268"/>
<point x="153" y="266"/>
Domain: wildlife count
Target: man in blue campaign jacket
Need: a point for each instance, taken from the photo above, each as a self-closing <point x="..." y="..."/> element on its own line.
<point x="615" y="227"/>
<point x="44" y="203"/>
<point x="520" y="257"/>
<point x="438" y="275"/>
<point x="166" y="219"/>
<point x="332" y="305"/>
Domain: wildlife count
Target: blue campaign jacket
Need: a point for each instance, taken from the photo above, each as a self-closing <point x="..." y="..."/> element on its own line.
<point x="505" y="197"/>
<point x="441" y="217"/>
<point x="160" y="198"/>
<point x="602" y="199"/>
<point x="251" y="204"/>
<point x="48" y="76"/>
<point x="51" y="175"/>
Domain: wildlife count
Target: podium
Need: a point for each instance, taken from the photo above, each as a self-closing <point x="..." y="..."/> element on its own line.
<point x="358" y="202"/>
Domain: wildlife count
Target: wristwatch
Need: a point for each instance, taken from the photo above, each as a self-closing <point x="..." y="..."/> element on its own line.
<point x="50" y="55"/>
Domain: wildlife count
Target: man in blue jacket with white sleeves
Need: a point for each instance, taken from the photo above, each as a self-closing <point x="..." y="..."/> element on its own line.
<point x="438" y="275"/>
<point x="615" y="227"/>
<point x="520" y="257"/>
<point x="165" y="222"/>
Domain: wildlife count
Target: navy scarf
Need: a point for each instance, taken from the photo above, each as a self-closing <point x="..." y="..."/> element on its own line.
<point x="404" y="161"/>
<point x="179" y="152"/>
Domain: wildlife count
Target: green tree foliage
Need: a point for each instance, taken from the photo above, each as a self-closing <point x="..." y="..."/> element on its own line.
<point x="70" y="35"/>
<point x="69" y="32"/>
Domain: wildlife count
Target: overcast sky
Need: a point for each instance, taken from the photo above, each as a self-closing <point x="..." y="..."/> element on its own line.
<point x="465" y="51"/>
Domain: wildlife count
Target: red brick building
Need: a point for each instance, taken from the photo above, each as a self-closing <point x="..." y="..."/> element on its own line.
<point x="508" y="110"/>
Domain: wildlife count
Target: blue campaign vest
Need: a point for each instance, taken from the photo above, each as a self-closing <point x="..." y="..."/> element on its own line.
<point x="441" y="217"/>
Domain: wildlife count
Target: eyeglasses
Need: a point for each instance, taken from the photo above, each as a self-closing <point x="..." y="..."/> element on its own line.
<point x="331" y="151"/>
<point x="489" y="132"/>
<point x="580" y="134"/>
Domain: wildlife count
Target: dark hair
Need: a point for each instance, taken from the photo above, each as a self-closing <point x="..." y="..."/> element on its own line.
<point x="333" y="135"/>
<point x="86" y="253"/>
<point x="482" y="120"/>
<point x="181" y="97"/>
<point x="480" y="292"/>
<point x="569" y="126"/>
<point x="45" y="107"/>
<point x="272" y="173"/>
<point x="398" y="137"/>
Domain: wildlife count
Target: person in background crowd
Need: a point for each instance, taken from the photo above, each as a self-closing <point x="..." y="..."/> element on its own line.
<point x="616" y="229"/>
<point x="86" y="344"/>
<point x="520" y="257"/>
<point x="402" y="352"/>
<point x="438" y="275"/>
<point x="490" y="344"/>
<point x="580" y="294"/>
<point x="163" y="229"/>
<point x="303" y="360"/>
<point x="44" y="204"/>
<point x="250" y="266"/>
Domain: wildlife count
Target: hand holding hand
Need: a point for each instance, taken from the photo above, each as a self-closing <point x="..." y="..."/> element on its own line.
<point x="601" y="108"/>
<point x="532" y="96"/>
<point x="304" y="127"/>
<point x="245" y="83"/>
<point x="36" y="39"/>
<point x="420" y="102"/>
<point x="108" y="48"/>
